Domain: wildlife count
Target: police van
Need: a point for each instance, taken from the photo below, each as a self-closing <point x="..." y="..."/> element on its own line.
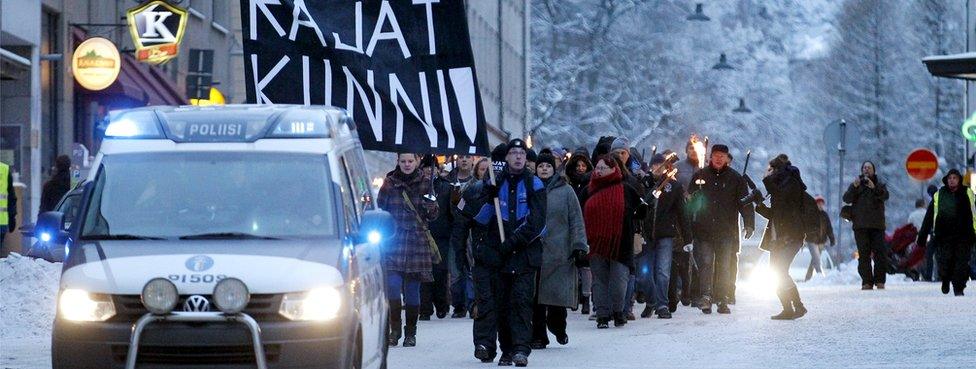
<point x="223" y="237"/>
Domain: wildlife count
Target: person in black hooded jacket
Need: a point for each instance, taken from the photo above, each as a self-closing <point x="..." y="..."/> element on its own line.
<point x="867" y="196"/>
<point x="785" y="231"/>
<point x="949" y="219"/>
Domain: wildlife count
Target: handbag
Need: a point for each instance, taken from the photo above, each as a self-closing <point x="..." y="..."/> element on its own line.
<point x="847" y="213"/>
<point x="431" y="243"/>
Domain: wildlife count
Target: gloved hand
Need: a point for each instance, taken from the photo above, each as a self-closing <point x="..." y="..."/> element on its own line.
<point x="747" y="233"/>
<point x="578" y="257"/>
<point x="688" y="248"/>
<point x="491" y="190"/>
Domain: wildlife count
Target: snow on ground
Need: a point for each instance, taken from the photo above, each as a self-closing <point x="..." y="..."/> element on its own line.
<point x="909" y="325"/>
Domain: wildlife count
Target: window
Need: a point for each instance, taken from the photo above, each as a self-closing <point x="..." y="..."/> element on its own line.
<point x="355" y="168"/>
<point x="199" y="76"/>
<point x="348" y="203"/>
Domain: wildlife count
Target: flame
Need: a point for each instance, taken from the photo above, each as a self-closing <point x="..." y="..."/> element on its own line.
<point x="378" y="182"/>
<point x="699" y="150"/>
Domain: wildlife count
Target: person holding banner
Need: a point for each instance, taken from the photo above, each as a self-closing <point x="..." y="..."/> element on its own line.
<point x="409" y="260"/>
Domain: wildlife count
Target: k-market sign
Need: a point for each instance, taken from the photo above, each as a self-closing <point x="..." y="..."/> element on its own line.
<point x="403" y="69"/>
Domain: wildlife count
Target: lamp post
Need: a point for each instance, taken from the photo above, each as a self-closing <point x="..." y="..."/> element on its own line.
<point x="742" y="109"/>
<point x="699" y="14"/>
<point x="723" y="63"/>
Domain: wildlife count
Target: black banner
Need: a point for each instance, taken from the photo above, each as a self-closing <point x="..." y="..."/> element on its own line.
<point x="403" y="69"/>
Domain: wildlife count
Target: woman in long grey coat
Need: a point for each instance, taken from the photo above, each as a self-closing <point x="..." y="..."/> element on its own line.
<point x="564" y="248"/>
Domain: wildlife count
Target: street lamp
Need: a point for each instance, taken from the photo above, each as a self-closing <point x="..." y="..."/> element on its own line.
<point x="699" y="14"/>
<point x="742" y="107"/>
<point x="723" y="63"/>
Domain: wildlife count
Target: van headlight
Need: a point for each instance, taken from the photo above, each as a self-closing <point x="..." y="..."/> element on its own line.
<point x="80" y="306"/>
<point x="319" y="304"/>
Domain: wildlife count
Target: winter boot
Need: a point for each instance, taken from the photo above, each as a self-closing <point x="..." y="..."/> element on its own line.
<point x="945" y="287"/>
<point x="505" y="360"/>
<point x="586" y="306"/>
<point x="619" y="319"/>
<point x="867" y="287"/>
<point x="788" y="312"/>
<point x="459" y="314"/>
<point x="723" y="308"/>
<point x="798" y="309"/>
<point x="957" y="289"/>
<point x="410" y="330"/>
<point x="563" y="339"/>
<point x="705" y="305"/>
<point x="602" y="323"/>
<point x="481" y="353"/>
<point x="663" y="313"/>
<point x="520" y="359"/>
<point x="879" y="286"/>
<point x="630" y="315"/>
<point x="648" y="311"/>
<point x="396" y="324"/>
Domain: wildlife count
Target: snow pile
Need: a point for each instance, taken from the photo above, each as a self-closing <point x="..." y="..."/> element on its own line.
<point x="846" y="274"/>
<point x="28" y="290"/>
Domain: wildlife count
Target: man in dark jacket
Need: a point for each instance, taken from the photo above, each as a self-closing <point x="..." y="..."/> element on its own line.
<point x="717" y="192"/>
<point x="949" y="219"/>
<point x="785" y="230"/>
<point x="664" y="224"/>
<point x="461" y="285"/>
<point x="867" y="195"/>
<point x="505" y="271"/>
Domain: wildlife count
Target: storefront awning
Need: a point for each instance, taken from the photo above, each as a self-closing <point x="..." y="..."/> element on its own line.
<point x="139" y="81"/>
<point x="959" y="66"/>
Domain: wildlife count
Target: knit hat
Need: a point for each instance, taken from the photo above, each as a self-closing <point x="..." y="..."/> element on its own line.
<point x="530" y="155"/>
<point x="546" y="157"/>
<point x="498" y="157"/>
<point x="720" y="148"/>
<point x="516" y="143"/>
<point x="620" y="143"/>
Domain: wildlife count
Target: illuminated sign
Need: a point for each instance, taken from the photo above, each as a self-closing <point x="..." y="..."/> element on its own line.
<point x="157" y="29"/>
<point x="96" y="63"/>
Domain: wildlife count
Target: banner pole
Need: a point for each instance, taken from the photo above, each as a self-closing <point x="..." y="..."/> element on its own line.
<point x="498" y="209"/>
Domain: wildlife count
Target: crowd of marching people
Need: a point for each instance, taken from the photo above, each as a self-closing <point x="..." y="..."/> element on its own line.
<point x="516" y="240"/>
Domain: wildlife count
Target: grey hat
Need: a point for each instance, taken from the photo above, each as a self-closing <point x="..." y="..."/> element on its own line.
<point x="620" y="143"/>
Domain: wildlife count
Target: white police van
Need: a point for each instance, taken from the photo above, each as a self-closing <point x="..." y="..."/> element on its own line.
<point x="223" y="237"/>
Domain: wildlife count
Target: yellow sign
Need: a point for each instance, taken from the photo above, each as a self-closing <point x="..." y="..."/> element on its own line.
<point x="157" y="29"/>
<point x="215" y="98"/>
<point x="96" y="63"/>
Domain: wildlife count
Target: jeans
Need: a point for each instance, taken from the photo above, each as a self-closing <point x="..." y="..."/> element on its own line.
<point x="814" y="260"/>
<point x="929" y="265"/>
<point x="871" y="246"/>
<point x="462" y="292"/>
<point x="609" y="286"/>
<point x="654" y="272"/>
<point x="396" y="285"/>
<point x="629" y="295"/>
<point x="712" y="258"/>
<point x="679" y="287"/>
<point x="780" y="260"/>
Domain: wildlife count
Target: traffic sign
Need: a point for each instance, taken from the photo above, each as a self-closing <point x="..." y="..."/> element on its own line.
<point x="922" y="164"/>
<point x="841" y="135"/>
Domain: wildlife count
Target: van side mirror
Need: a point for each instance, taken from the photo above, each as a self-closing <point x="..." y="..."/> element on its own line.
<point x="50" y="227"/>
<point x="377" y="227"/>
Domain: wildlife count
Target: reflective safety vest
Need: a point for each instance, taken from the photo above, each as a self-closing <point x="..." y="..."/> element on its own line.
<point x="4" y="179"/>
<point x="972" y="206"/>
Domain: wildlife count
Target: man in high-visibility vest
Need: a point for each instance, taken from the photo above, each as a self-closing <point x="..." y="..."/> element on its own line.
<point x="8" y="203"/>
<point x="950" y="219"/>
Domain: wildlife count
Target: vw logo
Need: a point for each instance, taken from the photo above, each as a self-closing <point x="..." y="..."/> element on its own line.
<point x="196" y="304"/>
<point x="199" y="263"/>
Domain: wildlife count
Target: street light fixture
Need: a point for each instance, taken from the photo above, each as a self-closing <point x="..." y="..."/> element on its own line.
<point x="723" y="63"/>
<point x="699" y="14"/>
<point x="742" y="107"/>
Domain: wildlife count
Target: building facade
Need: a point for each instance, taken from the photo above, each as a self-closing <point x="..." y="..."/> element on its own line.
<point x="45" y="113"/>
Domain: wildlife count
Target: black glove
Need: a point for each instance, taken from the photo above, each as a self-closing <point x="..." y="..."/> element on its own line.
<point x="491" y="190"/>
<point x="578" y="257"/>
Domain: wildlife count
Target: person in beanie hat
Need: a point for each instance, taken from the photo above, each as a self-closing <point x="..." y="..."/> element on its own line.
<point x="530" y="160"/>
<point x="949" y="219"/>
<point x="505" y="271"/>
<point x="564" y="250"/>
<point x="716" y="191"/>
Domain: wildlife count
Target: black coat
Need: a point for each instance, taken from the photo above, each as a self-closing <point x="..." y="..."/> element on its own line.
<point x="54" y="189"/>
<point x="667" y="217"/>
<point x="716" y="204"/>
<point x="954" y="223"/>
<point x="785" y="213"/>
<point x="868" y="205"/>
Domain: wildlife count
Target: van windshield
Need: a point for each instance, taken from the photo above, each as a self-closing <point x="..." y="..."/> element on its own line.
<point x="208" y="195"/>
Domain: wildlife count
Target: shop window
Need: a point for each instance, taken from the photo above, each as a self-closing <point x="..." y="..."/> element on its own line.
<point x="199" y="76"/>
